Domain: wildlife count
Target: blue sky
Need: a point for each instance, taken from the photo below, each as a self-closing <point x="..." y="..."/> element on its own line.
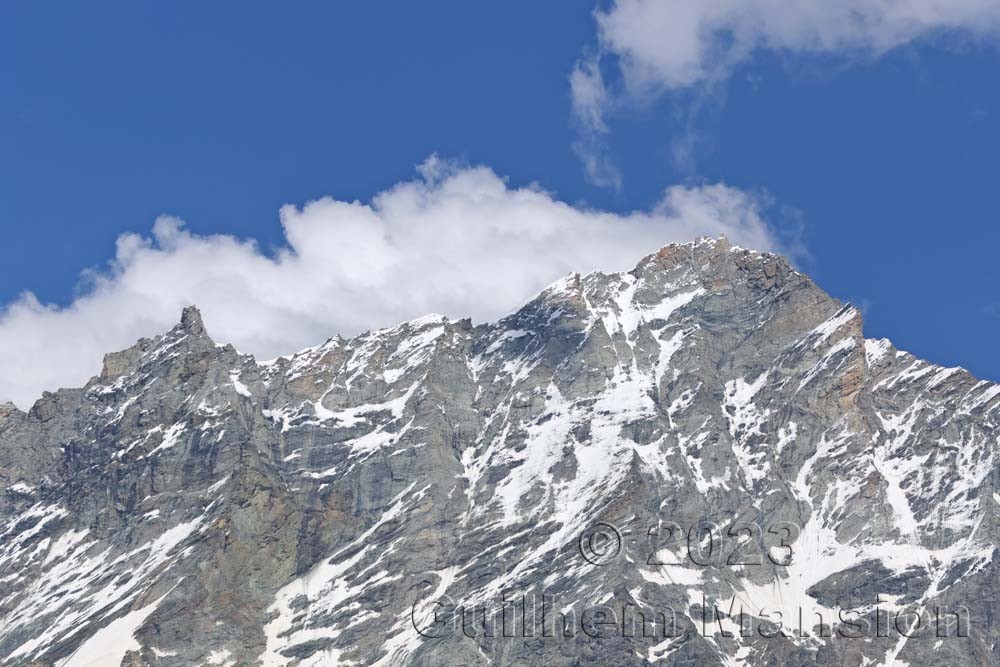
<point x="883" y="161"/>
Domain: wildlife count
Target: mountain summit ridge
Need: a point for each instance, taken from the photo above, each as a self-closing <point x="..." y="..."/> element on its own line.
<point x="190" y="505"/>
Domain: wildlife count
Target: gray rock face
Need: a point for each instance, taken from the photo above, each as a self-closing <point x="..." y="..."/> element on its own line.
<point x="698" y="462"/>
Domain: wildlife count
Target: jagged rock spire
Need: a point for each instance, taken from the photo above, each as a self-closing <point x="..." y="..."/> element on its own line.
<point x="191" y="321"/>
<point x="6" y="409"/>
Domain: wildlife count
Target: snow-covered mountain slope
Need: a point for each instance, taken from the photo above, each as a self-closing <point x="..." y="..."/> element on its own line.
<point x="698" y="462"/>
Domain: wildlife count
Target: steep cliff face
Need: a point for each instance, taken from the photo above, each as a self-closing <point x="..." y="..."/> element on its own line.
<point x="698" y="462"/>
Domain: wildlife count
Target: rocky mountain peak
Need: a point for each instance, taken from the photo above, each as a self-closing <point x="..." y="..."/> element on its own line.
<point x="192" y="506"/>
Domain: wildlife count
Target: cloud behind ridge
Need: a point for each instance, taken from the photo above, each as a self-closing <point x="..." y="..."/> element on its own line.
<point x="458" y="240"/>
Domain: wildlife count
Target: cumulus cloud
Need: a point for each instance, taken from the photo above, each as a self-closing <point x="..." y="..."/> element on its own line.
<point x="663" y="45"/>
<point x="457" y="241"/>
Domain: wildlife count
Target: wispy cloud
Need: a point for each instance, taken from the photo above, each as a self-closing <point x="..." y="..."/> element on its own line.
<point x="591" y="102"/>
<point x="458" y="240"/>
<point x="657" y="46"/>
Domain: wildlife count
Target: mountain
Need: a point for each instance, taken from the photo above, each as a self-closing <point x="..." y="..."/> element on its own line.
<point x="701" y="461"/>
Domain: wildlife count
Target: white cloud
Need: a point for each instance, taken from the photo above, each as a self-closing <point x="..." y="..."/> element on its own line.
<point x="457" y="241"/>
<point x="662" y="45"/>
<point x="590" y="102"/>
